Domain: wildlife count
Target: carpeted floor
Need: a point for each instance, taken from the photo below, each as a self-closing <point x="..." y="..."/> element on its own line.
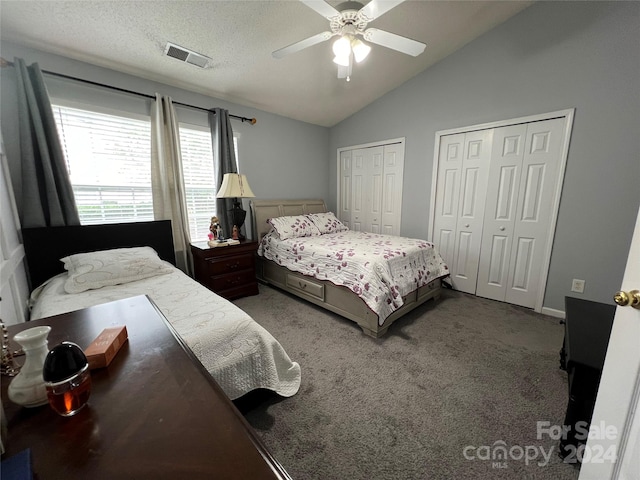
<point x="436" y="398"/>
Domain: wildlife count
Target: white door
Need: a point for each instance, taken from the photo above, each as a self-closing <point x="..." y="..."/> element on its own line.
<point x="470" y="217"/>
<point x="14" y="289"/>
<point x="366" y="183"/>
<point x="525" y="166"/>
<point x="500" y="212"/>
<point x="393" y="172"/>
<point x="366" y="189"/>
<point x="448" y="196"/>
<point x="370" y="179"/>
<point x="619" y="390"/>
<point x="538" y="180"/>
<point x="344" y="206"/>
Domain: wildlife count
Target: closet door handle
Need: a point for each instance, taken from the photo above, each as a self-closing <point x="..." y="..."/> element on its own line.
<point x="502" y="229"/>
<point x="466" y="225"/>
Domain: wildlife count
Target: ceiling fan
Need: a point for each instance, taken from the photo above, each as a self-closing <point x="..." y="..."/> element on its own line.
<point x="349" y="21"/>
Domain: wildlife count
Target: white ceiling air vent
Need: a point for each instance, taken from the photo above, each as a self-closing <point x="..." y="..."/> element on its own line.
<point x="186" y="55"/>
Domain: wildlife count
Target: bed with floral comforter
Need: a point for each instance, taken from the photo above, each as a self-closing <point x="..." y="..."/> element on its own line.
<point x="316" y="257"/>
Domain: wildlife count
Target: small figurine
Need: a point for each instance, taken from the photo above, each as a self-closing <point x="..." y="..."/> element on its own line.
<point x="215" y="228"/>
<point x="235" y="233"/>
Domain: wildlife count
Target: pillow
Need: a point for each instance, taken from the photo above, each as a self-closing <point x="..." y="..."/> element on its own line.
<point x="88" y="271"/>
<point x="327" y="222"/>
<point x="293" y="226"/>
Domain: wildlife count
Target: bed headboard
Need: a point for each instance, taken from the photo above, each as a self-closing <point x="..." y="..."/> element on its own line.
<point x="45" y="246"/>
<point x="263" y="210"/>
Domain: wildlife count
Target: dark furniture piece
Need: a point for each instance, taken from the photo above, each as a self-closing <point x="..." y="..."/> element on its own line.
<point x="229" y="271"/>
<point x="154" y="412"/>
<point x="45" y="246"/>
<point x="587" y="330"/>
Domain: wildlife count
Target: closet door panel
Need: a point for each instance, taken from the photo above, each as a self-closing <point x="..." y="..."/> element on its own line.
<point x="392" y="188"/>
<point x="344" y="209"/>
<point x="359" y="182"/>
<point x="500" y="212"/>
<point x="538" y="182"/>
<point x="373" y="197"/>
<point x="447" y="196"/>
<point x="473" y="177"/>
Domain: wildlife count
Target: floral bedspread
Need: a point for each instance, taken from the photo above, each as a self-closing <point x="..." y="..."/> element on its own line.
<point x="380" y="269"/>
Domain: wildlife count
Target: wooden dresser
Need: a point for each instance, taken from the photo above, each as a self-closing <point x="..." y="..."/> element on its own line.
<point x="229" y="271"/>
<point x="154" y="412"/>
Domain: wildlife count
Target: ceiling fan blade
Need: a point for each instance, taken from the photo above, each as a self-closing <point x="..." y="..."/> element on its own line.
<point x="394" y="42"/>
<point x="322" y="7"/>
<point x="375" y="8"/>
<point x="302" y="44"/>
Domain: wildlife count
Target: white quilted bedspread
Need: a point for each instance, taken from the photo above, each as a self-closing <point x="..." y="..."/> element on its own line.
<point x="380" y="269"/>
<point x="239" y="353"/>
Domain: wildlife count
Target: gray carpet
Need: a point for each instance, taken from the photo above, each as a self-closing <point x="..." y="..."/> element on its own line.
<point x="459" y="372"/>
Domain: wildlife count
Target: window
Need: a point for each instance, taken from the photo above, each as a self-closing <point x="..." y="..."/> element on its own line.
<point x="197" y="171"/>
<point x="108" y="158"/>
<point x="109" y="161"/>
<point x="198" y="174"/>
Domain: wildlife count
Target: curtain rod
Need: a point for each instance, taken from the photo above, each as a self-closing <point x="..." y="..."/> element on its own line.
<point x="6" y="63"/>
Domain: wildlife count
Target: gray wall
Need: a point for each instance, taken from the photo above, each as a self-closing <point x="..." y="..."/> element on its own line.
<point x="551" y="56"/>
<point x="282" y="158"/>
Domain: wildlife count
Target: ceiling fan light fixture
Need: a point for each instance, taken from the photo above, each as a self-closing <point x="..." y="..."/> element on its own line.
<point x="360" y="50"/>
<point x="342" y="47"/>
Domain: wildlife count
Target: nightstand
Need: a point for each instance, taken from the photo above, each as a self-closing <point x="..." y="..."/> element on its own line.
<point x="229" y="271"/>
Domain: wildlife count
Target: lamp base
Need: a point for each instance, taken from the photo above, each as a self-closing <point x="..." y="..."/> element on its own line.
<point x="238" y="216"/>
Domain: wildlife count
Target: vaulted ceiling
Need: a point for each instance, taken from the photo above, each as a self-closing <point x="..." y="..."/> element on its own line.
<point x="239" y="36"/>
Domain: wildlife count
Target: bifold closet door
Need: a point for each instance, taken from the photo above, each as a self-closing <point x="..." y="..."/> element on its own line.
<point x="392" y="179"/>
<point x="523" y="177"/>
<point x="463" y="170"/>
<point x="366" y="189"/>
<point x="344" y="209"/>
<point x="370" y="186"/>
<point x="448" y="196"/>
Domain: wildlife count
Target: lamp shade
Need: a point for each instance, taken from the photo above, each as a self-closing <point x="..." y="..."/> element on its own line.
<point x="360" y="50"/>
<point x="234" y="185"/>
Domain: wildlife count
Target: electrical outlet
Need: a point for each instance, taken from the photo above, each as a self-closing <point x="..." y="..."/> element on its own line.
<point x="577" y="286"/>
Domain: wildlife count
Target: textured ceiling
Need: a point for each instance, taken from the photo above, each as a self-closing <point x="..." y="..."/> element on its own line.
<point x="130" y="36"/>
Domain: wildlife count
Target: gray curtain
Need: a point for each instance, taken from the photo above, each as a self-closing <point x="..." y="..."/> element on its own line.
<point x="167" y="181"/>
<point x="47" y="196"/>
<point x="224" y="158"/>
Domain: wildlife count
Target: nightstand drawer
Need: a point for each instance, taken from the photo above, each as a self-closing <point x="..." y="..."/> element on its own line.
<point x="230" y="263"/>
<point x="232" y="280"/>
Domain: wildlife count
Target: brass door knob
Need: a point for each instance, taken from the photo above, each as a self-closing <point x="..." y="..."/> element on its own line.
<point x="631" y="298"/>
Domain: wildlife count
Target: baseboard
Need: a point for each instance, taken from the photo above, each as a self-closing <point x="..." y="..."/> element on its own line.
<point x="552" y="312"/>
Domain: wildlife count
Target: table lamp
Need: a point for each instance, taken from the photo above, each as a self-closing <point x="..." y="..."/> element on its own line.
<point x="235" y="185"/>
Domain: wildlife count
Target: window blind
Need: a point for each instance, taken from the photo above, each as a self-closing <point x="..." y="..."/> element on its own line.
<point x="198" y="174"/>
<point x="108" y="158"/>
<point x="109" y="162"/>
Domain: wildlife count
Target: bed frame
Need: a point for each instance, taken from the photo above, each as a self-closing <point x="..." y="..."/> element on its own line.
<point x="337" y="299"/>
<point x="45" y="246"/>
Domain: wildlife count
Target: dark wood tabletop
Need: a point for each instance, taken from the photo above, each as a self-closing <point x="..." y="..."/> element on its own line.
<point x="154" y="412"/>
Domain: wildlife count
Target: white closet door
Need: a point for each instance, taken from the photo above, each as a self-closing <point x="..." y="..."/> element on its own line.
<point x="366" y="186"/>
<point x="500" y="212"/>
<point x="391" y="208"/>
<point x="344" y="208"/>
<point x="522" y="180"/>
<point x="538" y="183"/>
<point x="447" y="196"/>
<point x="473" y="189"/>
